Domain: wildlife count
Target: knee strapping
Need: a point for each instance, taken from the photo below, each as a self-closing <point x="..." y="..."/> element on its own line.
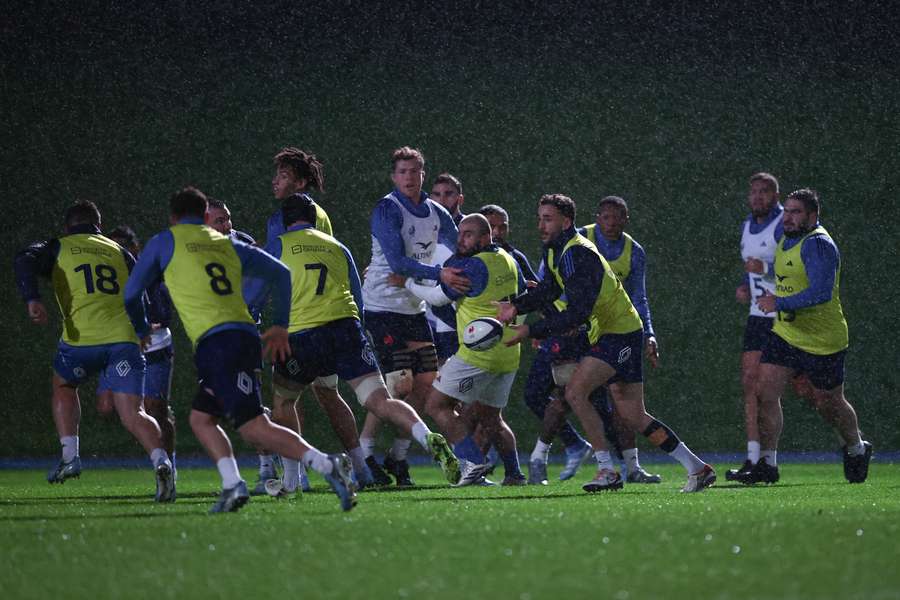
<point x="425" y="360"/>
<point x="367" y="387"/>
<point x="661" y="436"/>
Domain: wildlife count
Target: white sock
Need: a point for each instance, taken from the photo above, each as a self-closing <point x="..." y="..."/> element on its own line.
<point x="400" y="448"/>
<point x="541" y="451"/>
<point x="368" y="446"/>
<point x="69" y="447"/>
<point x="420" y="433"/>
<point x="632" y="463"/>
<point x="228" y="469"/>
<point x="604" y="460"/>
<point x="159" y="456"/>
<point x="855" y="447"/>
<point x="771" y="457"/>
<point x="687" y="459"/>
<point x="291" y="478"/>
<point x="317" y="461"/>
<point x="358" y="459"/>
<point x="266" y="463"/>
<point x="753" y="451"/>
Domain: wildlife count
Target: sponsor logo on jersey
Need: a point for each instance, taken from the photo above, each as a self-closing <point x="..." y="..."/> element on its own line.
<point x="90" y="250"/>
<point x="411" y="230"/>
<point x="424" y="245"/>
<point x="781" y="277"/>
<point x="466" y="384"/>
<point x="789" y="263"/>
<point x="244" y="383"/>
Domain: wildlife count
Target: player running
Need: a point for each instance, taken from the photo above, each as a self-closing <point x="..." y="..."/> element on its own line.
<point x="326" y="335"/>
<point x="88" y="272"/>
<point x="614" y="337"/>
<point x="203" y="270"/>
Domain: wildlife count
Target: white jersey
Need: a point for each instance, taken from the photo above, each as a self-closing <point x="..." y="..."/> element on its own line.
<point x="420" y="239"/>
<point x="760" y="246"/>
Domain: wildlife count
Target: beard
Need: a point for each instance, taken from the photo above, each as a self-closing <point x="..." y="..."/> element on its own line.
<point x="799" y="232"/>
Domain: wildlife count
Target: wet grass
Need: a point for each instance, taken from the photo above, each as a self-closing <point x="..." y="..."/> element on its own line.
<point x="810" y="536"/>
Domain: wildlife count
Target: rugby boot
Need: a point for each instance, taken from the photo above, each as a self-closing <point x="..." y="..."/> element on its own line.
<point x="762" y="472"/>
<point x="363" y="477"/>
<point x="471" y="473"/>
<point x="378" y="473"/>
<point x="441" y="452"/>
<point x="604" y="480"/>
<point x="65" y="470"/>
<point x="232" y="499"/>
<point x="165" y="483"/>
<point x="699" y="481"/>
<point x="400" y="470"/>
<point x="341" y="480"/>
<point x="639" y="475"/>
<point x="514" y="480"/>
<point x="856" y="468"/>
<point x="741" y="474"/>
<point x="276" y="489"/>
<point x="537" y="472"/>
<point x="575" y="457"/>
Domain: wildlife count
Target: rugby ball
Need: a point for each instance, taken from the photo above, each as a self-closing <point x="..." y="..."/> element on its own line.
<point x="482" y="334"/>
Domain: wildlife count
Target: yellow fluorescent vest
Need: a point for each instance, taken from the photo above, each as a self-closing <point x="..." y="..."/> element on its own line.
<point x="320" y="279"/>
<point x="204" y="280"/>
<point x="819" y="329"/>
<point x="323" y="223"/>
<point x="613" y="311"/>
<point x="89" y="283"/>
<point x="503" y="282"/>
<point x="622" y="265"/>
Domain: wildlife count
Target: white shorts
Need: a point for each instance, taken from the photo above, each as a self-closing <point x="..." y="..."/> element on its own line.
<point x="458" y="379"/>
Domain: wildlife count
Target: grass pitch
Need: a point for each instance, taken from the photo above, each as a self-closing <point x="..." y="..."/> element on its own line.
<point x="810" y="536"/>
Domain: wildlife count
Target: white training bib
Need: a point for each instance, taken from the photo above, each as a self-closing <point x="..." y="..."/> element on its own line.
<point x="760" y="246"/>
<point x="420" y="239"/>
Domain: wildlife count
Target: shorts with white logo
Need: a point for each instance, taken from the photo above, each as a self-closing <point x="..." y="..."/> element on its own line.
<point x="825" y="372"/>
<point x="338" y="347"/>
<point x="228" y="363"/>
<point x="158" y="380"/>
<point x="624" y="353"/>
<point x="458" y="379"/>
<point x="756" y="333"/>
<point x="121" y="366"/>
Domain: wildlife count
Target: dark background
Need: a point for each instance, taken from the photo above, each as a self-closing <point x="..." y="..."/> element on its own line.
<point x="672" y="107"/>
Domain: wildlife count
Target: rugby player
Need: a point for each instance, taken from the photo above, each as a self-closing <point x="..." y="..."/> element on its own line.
<point x="301" y="172"/>
<point x="482" y="380"/>
<point x="203" y="270"/>
<point x="406" y="226"/>
<point x="614" y="341"/>
<point x="326" y="333"/>
<point x="88" y="272"/>
<point x="809" y="336"/>
<point x="760" y="233"/>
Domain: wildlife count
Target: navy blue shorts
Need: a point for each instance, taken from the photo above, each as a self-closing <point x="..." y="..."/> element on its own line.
<point x="390" y="332"/>
<point x="158" y="380"/>
<point x="756" y="333"/>
<point x="228" y="363"/>
<point x="121" y="366"/>
<point x="825" y="372"/>
<point x="338" y="347"/>
<point x="566" y="348"/>
<point x="624" y="352"/>
<point x="446" y="342"/>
